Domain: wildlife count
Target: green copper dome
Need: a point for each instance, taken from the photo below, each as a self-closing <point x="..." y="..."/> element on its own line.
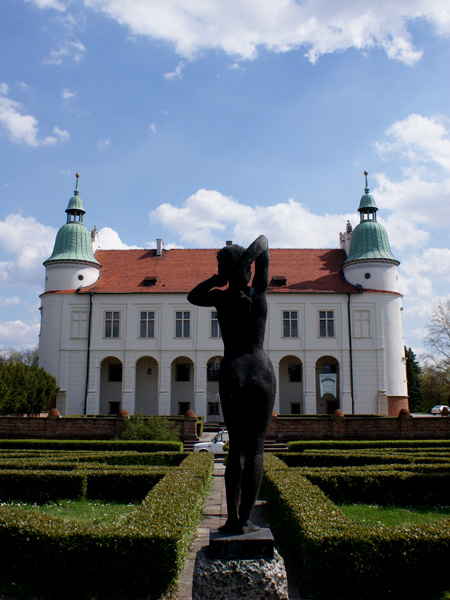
<point x="370" y="242"/>
<point x="369" y="238"/>
<point x="367" y="202"/>
<point x="73" y="241"/>
<point x="75" y="205"/>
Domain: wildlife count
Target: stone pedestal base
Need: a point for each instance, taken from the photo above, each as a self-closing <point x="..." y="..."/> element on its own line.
<point x="236" y="579"/>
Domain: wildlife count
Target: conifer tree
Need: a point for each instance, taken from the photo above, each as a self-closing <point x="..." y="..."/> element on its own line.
<point x="413" y="378"/>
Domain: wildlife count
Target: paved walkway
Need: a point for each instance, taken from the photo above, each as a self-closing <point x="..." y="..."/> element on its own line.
<point x="215" y="515"/>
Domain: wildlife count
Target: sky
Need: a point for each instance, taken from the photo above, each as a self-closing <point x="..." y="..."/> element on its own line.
<point x="201" y="121"/>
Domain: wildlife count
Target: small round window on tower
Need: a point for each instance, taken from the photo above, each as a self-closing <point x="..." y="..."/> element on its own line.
<point x="367" y="275"/>
<point x="80" y="277"/>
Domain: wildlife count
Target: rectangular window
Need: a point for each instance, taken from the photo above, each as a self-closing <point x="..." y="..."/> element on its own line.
<point x="290" y="323"/>
<point x="183" y="407"/>
<point x="114" y="372"/>
<point x="112" y="324"/>
<point x="295" y="373"/>
<point x="212" y="371"/>
<point x="326" y="323"/>
<point x="182" y="324"/>
<point x="182" y="372"/>
<point x="361" y="324"/>
<point x="147" y="324"/>
<point x="215" y="327"/>
<point x="79" y="327"/>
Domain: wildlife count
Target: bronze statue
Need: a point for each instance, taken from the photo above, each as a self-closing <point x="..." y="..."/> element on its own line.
<point x="246" y="378"/>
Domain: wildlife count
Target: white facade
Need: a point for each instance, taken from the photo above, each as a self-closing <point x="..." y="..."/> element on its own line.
<point x="118" y="332"/>
<point x="147" y="365"/>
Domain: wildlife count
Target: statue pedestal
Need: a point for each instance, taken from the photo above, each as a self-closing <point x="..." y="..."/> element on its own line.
<point x="240" y="566"/>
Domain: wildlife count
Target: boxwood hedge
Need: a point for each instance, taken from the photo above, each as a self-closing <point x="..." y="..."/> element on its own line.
<point x="48" y="557"/>
<point x="332" y="557"/>
<point x="137" y="445"/>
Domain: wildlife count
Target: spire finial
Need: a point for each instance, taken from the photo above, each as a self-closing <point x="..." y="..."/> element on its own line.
<point x="77" y="175"/>
<point x="366" y="189"/>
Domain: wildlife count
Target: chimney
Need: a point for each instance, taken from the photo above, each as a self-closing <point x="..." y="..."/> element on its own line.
<point x="94" y="239"/>
<point x="229" y="243"/>
<point x="159" y="246"/>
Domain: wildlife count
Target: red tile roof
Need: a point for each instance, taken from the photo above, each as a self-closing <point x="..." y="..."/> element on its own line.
<point x="178" y="271"/>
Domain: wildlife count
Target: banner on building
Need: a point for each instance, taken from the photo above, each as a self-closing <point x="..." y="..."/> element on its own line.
<point x="327" y="384"/>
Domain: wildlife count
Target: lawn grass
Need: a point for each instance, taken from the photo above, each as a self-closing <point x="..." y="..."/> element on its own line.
<point x="395" y="516"/>
<point x="93" y="511"/>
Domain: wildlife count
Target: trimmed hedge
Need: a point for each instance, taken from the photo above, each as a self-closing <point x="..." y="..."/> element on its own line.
<point x="334" y="458"/>
<point x="72" y="460"/>
<point x="137" y="445"/>
<point x="138" y="559"/>
<point x="385" y="488"/>
<point x="300" y="446"/>
<point x="332" y="557"/>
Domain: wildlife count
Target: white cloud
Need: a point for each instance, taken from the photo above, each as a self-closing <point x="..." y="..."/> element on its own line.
<point x="102" y="144"/>
<point x="424" y="277"/>
<point x="18" y="334"/>
<point x="418" y="201"/>
<point x="10" y="301"/>
<point x="55" y="4"/>
<point x="4" y="89"/>
<point x="420" y="139"/>
<point x="208" y="219"/>
<point x="29" y="243"/>
<point x="67" y="49"/>
<point x="152" y="128"/>
<point x="240" y="27"/>
<point x="67" y="94"/>
<point x="63" y="135"/>
<point x="24" y="129"/>
<point x="108" y="239"/>
<point x="175" y="74"/>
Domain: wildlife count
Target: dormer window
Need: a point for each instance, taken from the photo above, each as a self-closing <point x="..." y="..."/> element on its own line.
<point x="278" y="281"/>
<point x="149" y="281"/>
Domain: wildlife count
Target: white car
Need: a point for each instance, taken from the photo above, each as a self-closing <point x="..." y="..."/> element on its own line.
<point x="215" y="445"/>
<point x="440" y="409"/>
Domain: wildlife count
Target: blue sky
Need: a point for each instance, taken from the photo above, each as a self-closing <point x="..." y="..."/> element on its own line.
<point x="200" y="121"/>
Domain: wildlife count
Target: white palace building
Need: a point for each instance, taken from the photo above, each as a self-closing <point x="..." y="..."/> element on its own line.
<point x="118" y="332"/>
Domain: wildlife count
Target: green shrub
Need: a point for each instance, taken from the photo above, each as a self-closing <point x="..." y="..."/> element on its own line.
<point x="138" y="427"/>
<point x="25" y="389"/>
<point x="67" y="461"/>
<point x="328" y="458"/>
<point x="120" y="445"/>
<point x="300" y="446"/>
<point x="332" y="557"/>
<point x="139" y="558"/>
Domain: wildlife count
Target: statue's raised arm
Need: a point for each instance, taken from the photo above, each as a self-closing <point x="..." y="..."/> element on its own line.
<point x="258" y="252"/>
<point x="204" y="293"/>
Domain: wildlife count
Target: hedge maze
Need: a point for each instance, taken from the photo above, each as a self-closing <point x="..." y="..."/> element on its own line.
<point x="333" y="557"/>
<point x="45" y="557"/>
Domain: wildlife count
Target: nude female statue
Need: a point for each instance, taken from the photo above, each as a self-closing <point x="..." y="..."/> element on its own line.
<point x="246" y="378"/>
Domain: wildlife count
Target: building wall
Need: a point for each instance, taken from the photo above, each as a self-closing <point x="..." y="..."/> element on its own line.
<point x="378" y="366"/>
<point x="69" y="275"/>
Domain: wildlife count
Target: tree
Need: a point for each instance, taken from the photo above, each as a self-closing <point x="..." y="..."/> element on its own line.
<point x="28" y="357"/>
<point x="413" y="372"/>
<point x="435" y="386"/>
<point x="438" y="337"/>
<point x="25" y="389"/>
